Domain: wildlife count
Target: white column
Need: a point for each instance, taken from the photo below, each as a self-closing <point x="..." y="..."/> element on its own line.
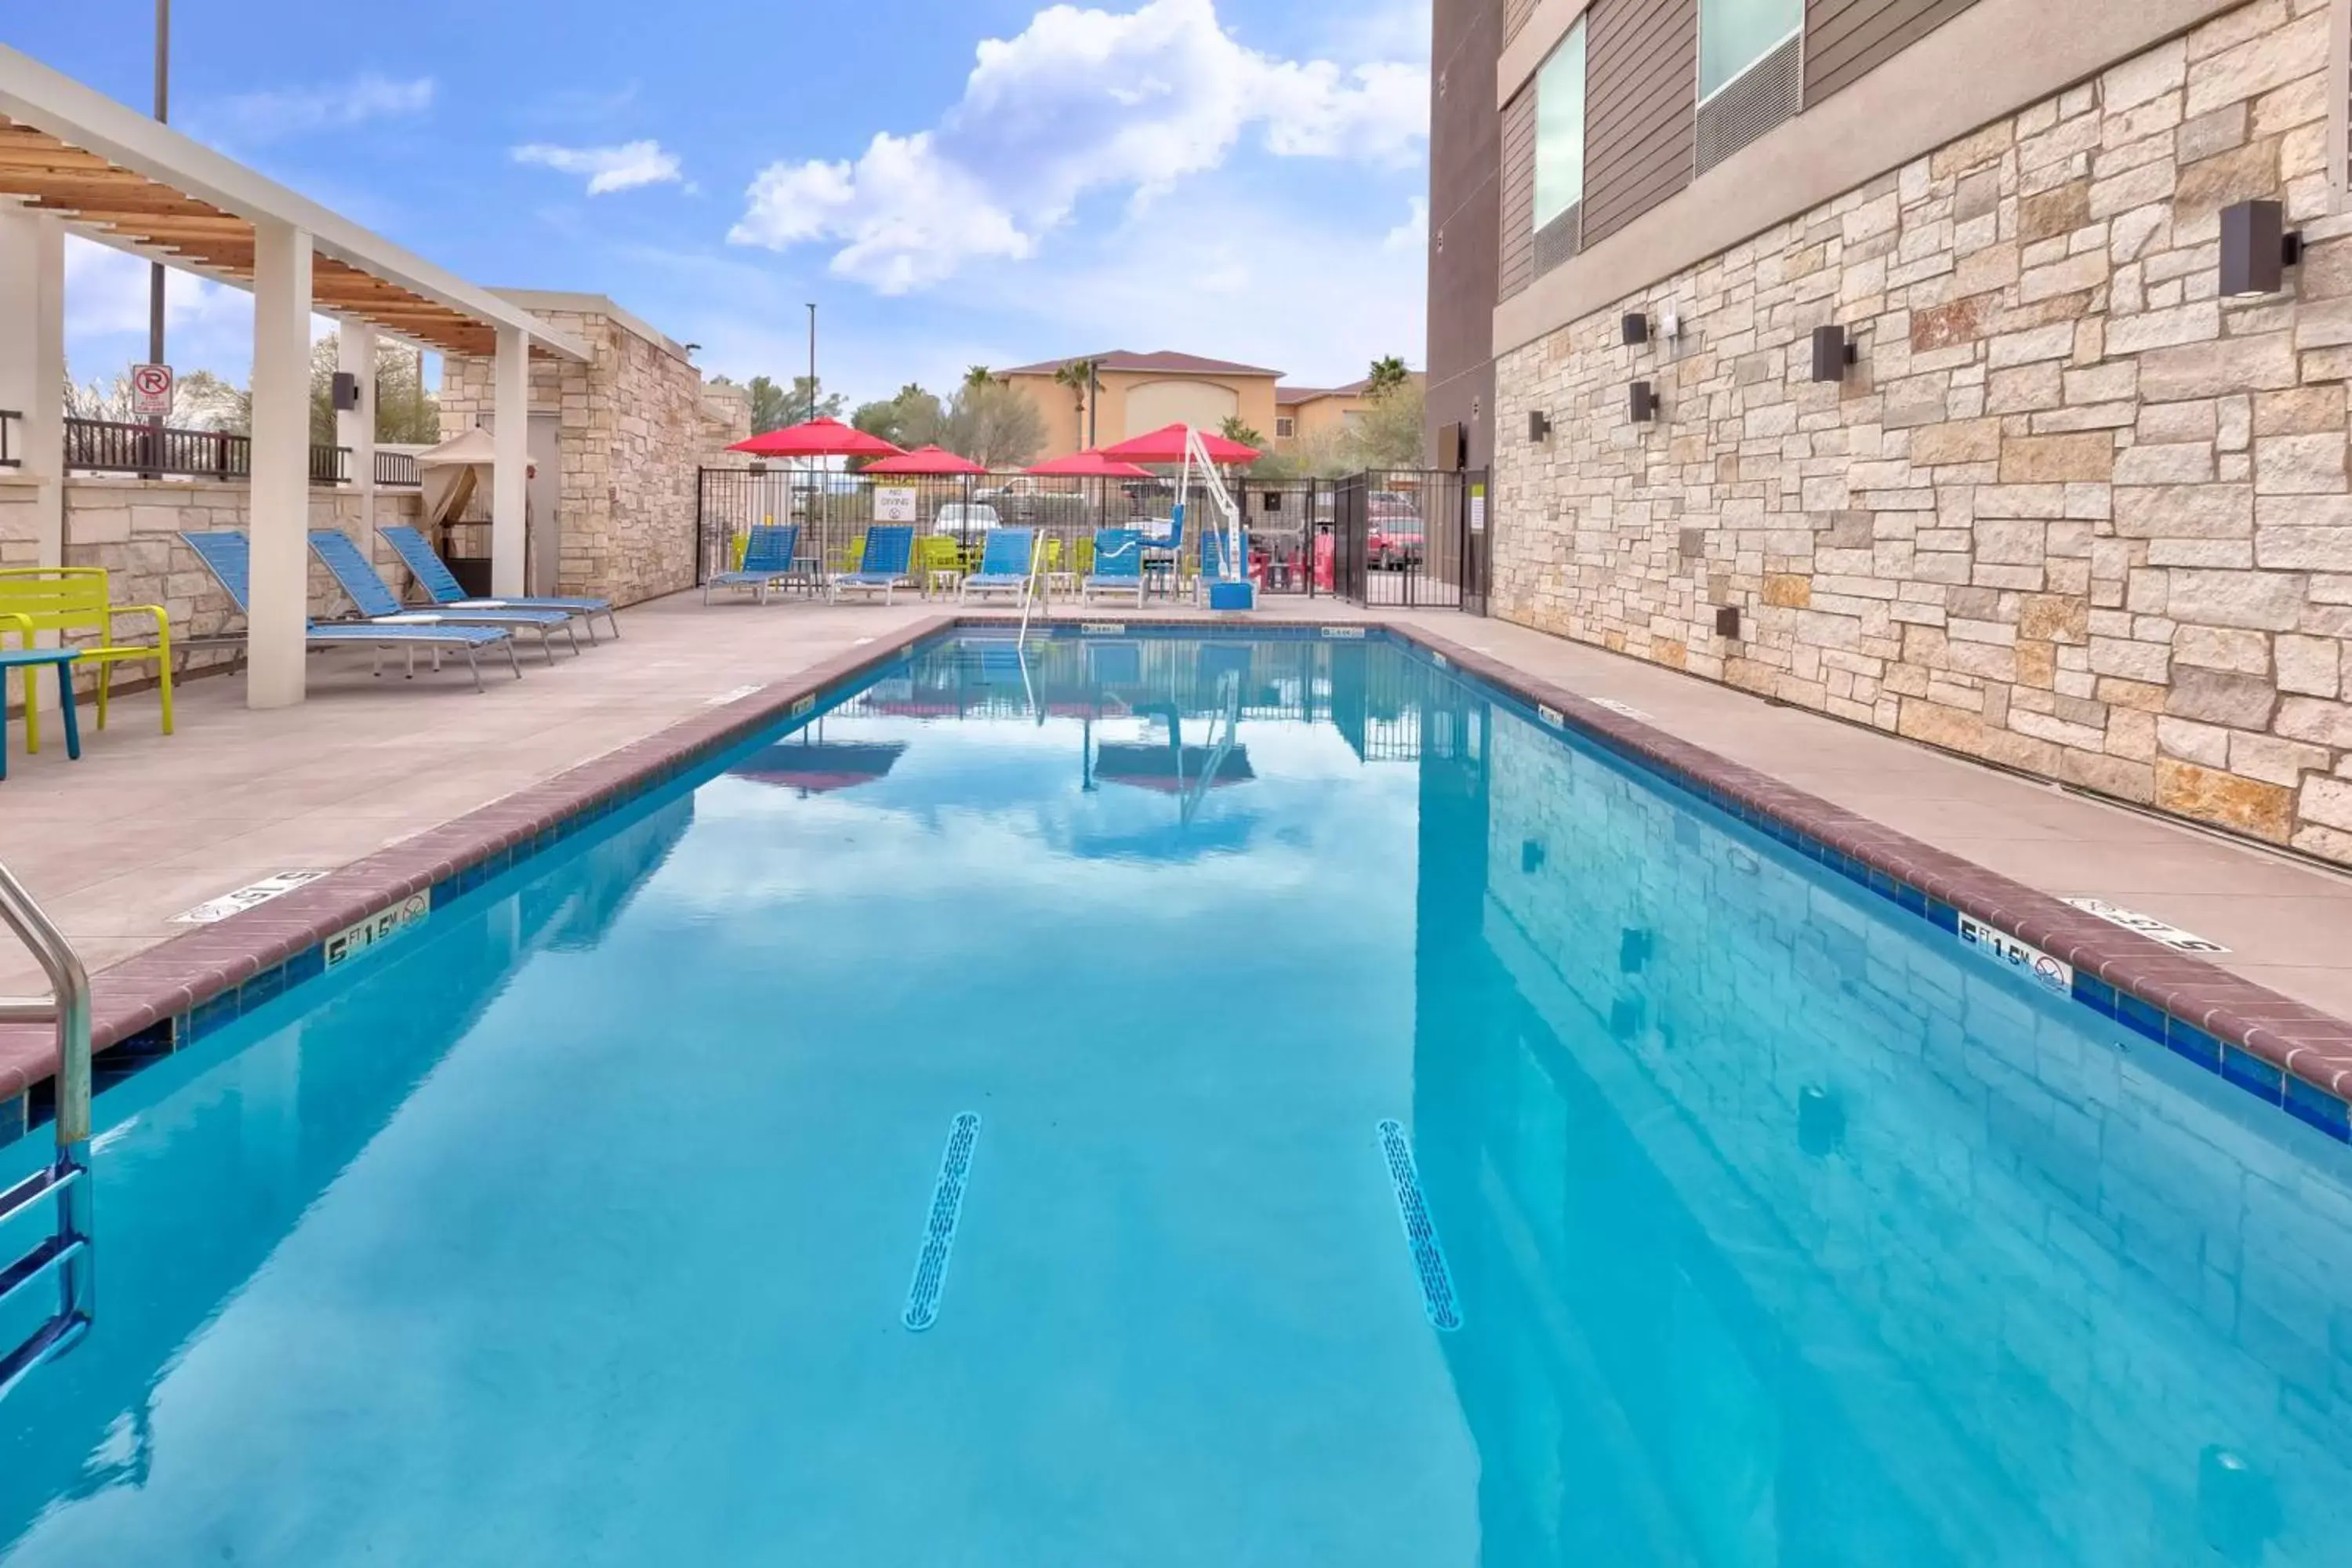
<point x="281" y="465"/>
<point x="510" y="406"/>
<point x="355" y="427"/>
<point x="33" y="364"/>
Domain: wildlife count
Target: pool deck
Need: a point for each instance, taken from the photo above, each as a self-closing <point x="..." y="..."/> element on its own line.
<point x="377" y="773"/>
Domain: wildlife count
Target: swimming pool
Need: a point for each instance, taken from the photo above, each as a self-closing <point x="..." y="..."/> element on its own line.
<point x="1165" y="1101"/>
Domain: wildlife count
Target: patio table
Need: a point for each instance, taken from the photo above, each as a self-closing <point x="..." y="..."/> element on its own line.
<point x="30" y="661"/>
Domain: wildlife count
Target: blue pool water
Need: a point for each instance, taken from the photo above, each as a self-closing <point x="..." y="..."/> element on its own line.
<point x="954" y="1134"/>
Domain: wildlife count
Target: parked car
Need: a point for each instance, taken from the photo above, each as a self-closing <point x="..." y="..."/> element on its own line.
<point x="1016" y="498"/>
<point x="962" y="518"/>
<point x="1393" y="543"/>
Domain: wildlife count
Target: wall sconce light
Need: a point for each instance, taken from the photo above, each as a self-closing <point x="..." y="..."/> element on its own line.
<point x="346" y="396"/>
<point x="1538" y="427"/>
<point x="1644" y="403"/>
<point x="2256" y="249"/>
<point x="1832" y="353"/>
<point x="1636" y="328"/>
<point x="1727" y="621"/>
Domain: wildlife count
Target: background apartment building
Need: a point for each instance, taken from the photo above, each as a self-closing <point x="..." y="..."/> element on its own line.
<point x="1139" y="392"/>
<point x="1923" y="363"/>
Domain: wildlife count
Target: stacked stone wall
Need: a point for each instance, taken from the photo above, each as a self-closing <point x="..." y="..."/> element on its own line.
<point x="2070" y="511"/>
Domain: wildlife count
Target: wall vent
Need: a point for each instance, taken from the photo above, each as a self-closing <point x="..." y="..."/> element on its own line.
<point x="1770" y="92"/>
<point x="1559" y="240"/>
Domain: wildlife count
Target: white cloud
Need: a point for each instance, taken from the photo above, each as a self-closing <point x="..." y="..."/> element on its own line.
<point x="1081" y="101"/>
<point x="295" y="111"/>
<point x="609" y="169"/>
<point x="1412" y="234"/>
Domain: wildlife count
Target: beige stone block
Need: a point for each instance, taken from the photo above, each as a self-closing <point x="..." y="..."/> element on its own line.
<point x="2264" y="810"/>
<point x="2132" y="694"/>
<point x="2223" y="647"/>
<point x="1960" y="441"/>
<point x="2043" y="502"/>
<point x="2264" y="363"/>
<point x="2273" y="761"/>
<point x="2258" y="601"/>
<point x="2145" y="76"/>
<point x="2131" y="660"/>
<point x="2268" y="60"/>
<point x="2300" y="465"/>
<point x="2026" y="388"/>
<point x="2161" y="422"/>
<point x="2132" y="188"/>
<point x="2205" y="745"/>
<point x="2315" y="719"/>
<point x="2051" y="617"/>
<point x="2235" y="554"/>
<point x="2310" y="666"/>
<point x="2239" y="700"/>
<point x="2051" y="342"/>
<point x="2056" y="460"/>
<point x="2217" y="130"/>
<point x="2184" y="511"/>
<point x="2165" y="463"/>
<point x="2196" y="322"/>
<point x="2245" y="173"/>
<point x="2304" y="411"/>
<point x="1961" y="322"/>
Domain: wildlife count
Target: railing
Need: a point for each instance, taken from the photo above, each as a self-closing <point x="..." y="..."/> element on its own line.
<point x="116" y="446"/>
<point x="65" y="1251"/>
<point x="9" y="419"/>
<point x="399" y="469"/>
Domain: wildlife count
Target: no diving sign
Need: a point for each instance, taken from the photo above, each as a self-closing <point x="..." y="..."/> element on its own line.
<point x="151" y="391"/>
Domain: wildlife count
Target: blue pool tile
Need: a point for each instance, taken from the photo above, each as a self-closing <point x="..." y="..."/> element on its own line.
<point x="2309" y="1103"/>
<point x="2186" y="1039"/>
<point x="2089" y="989"/>
<point x="1948" y="919"/>
<point x="1911" y="898"/>
<point x="2253" y="1074"/>
<point x="216" y="1013"/>
<point x="12" y="1119"/>
<point x="308" y="965"/>
<point x="2145" y="1016"/>
<point x="263" y="987"/>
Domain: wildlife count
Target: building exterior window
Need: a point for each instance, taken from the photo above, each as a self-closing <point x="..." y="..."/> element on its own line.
<point x="1560" y="129"/>
<point x="1285" y="428"/>
<point x="1733" y="35"/>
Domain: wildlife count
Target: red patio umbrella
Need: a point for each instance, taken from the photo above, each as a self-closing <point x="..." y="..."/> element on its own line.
<point x="1090" y="466"/>
<point x="817" y="438"/>
<point x="1167" y="445"/>
<point x="926" y="461"/>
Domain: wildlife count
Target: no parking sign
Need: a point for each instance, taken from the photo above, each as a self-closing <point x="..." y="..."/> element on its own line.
<point x="151" y="391"/>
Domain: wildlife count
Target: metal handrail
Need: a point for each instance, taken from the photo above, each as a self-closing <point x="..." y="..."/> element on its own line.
<point x="68" y="1006"/>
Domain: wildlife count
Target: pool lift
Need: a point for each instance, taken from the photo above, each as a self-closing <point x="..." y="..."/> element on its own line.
<point x="1231" y="588"/>
<point x="62" y="1259"/>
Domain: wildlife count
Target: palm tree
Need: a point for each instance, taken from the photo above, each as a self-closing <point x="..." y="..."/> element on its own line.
<point x="978" y="375"/>
<point x="1235" y="429"/>
<point x="1078" y="376"/>
<point x="1387" y="374"/>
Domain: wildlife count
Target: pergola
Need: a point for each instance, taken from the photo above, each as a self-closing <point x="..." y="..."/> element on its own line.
<point x="71" y="158"/>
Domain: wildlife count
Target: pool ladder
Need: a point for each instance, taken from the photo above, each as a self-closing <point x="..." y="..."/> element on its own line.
<point x="62" y="1259"/>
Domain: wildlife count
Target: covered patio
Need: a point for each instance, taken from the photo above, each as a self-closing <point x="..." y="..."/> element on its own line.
<point x="73" y="159"/>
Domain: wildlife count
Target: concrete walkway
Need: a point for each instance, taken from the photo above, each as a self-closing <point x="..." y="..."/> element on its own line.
<point x="144" y="828"/>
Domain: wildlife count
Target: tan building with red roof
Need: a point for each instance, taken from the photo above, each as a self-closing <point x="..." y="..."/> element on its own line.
<point x="1305" y="414"/>
<point x="1142" y="392"/>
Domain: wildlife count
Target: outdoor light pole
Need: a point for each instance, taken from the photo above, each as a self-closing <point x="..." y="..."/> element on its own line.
<point x="811" y="412"/>
<point x="155" y="269"/>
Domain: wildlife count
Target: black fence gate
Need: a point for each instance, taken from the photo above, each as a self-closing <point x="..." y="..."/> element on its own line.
<point x="1412" y="538"/>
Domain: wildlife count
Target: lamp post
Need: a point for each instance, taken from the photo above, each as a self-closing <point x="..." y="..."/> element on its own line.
<point x="155" y="269"/>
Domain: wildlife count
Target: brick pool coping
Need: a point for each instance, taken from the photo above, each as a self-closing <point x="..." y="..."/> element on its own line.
<point x="144" y="1000"/>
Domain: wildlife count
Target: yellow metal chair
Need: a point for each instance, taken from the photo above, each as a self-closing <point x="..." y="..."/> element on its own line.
<point x="69" y="599"/>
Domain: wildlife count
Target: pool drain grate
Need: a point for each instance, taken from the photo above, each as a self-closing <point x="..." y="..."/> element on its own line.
<point x="938" y="1232"/>
<point x="1437" y="1299"/>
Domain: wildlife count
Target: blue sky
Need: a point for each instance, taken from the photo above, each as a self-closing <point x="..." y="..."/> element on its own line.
<point x="955" y="181"/>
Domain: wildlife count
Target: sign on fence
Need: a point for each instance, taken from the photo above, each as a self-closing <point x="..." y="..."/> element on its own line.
<point x="894" y="505"/>
<point x="151" y="391"/>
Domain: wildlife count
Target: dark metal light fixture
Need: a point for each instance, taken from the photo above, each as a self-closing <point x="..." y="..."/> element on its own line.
<point x="1832" y="353"/>
<point x="1644" y="403"/>
<point x="1538" y="426"/>
<point x="2256" y="249"/>
<point x="1727" y="621"/>
<point x="1636" y="328"/>
<point x="346" y="392"/>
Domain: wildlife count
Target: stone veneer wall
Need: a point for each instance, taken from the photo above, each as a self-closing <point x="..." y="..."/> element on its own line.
<point x="2070" y="512"/>
<point x="130" y="527"/>
<point x="634" y="426"/>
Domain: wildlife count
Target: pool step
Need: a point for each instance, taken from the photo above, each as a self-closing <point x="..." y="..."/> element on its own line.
<point x="59" y="1261"/>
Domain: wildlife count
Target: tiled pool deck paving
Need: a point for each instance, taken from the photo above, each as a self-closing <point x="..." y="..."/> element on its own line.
<point x="395" y="787"/>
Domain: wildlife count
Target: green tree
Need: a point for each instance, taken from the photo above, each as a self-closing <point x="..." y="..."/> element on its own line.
<point x="993" y="425"/>
<point x="913" y="418"/>
<point x="203" y="401"/>
<point x="1234" y="429"/>
<point x="1389" y="373"/>
<point x="978" y="375"/>
<point x="405" y="411"/>
<point x="1079" y="376"/>
<point x="1390" y="434"/>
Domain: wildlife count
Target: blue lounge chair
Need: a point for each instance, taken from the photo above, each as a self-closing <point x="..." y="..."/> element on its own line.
<point x="768" y="556"/>
<point x="884" y="566"/>
<point x="1118" y="565"/>
<point x="375" y="601"/>
<point x="441" y="585"/>
<point x="228" y="557"/>
<point x="1008" y="565"/>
